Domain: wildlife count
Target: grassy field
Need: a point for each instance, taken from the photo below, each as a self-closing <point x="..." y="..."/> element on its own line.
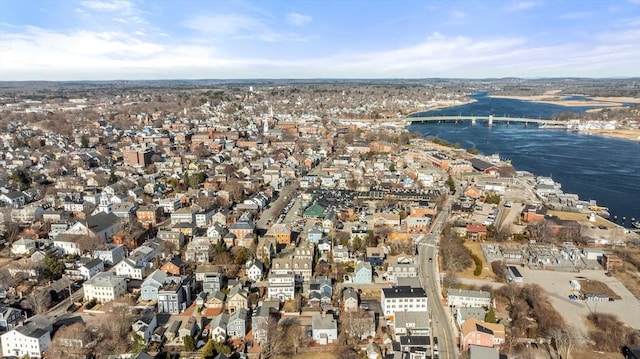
<point x="630" y="279"/>
<point x="474" y="247"/>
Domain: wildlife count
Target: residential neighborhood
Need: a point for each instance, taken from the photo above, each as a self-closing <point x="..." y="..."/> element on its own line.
<point x="253" y="223"/>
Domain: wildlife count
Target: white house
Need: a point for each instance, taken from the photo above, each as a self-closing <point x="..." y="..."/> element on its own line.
<point x="129" y="269"/>
<point x="91" y="268"/>
<point x="403" y="298"/>
<point x="23" y="246"/>
<point x="110" y="254"/>
<point x="170" y="205"/>
<point x="255" y="270"/>
<point x="67" y="243"/>
<point x="104" y="287"/>
<point x="281" y="286"/>
<point x="27" y="340"/>
<point x="468" y="298"/>
<point x="145" y="326"/>
<point x="324" y="328"/>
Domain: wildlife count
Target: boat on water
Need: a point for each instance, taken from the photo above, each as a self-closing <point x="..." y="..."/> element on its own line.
<point x="636" y="224"/>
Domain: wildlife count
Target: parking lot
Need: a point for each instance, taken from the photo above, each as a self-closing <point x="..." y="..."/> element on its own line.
<point x="557" y="286"/>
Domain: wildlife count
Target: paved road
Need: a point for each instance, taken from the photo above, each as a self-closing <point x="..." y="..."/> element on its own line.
<point x="285" y="196"/>
<point x="441" y="321"/>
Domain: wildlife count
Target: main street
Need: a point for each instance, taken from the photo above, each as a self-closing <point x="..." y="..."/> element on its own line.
<point x="441" y="323"/>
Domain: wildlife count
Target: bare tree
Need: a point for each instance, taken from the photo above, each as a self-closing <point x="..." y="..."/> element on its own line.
<point x="454" y="254"/>
<point x="276" y="344"/>
<point x="41" y="300"/>
<point x="450" y="280"/>
<point x="565" y="339"/>
<point x="510" y="291"/>
<point x="356" y="325"/>
<point x="542" y="232"/>
<point x="89" y="243"/>
<point x="114" y="327"/>
<point x="70" y="341"/>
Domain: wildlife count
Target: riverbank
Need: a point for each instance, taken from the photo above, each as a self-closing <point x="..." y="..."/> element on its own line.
<point x="554" y="99"/>
<point x="439" y="105"/>
<point x="624" y="134"/>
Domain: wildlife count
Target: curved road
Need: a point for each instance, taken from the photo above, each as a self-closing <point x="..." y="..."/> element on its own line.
<point x="441" y="321"/>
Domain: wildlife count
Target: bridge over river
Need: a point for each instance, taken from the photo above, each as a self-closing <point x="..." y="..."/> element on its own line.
<point x="488" y="119"/>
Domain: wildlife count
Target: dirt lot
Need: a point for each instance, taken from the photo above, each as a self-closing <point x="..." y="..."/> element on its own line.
<point x="597" y="287"/>
<point x="320" y="355"/>
<point x="557" y="286"/>
<point x="631" y="281"/>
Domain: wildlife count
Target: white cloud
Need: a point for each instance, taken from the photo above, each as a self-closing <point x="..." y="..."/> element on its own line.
<point x="108" y="6"/>
<point x="458" y="14"/>
<point x="575" y="15"/>
<point x="226" y="24"/>
<point x="298" y="19"/>
<point x="239" y="27"/>
<point x="522" y="5"/>
<point x="34" y="53"/>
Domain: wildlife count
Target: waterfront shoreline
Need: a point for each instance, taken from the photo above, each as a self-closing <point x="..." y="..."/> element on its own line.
<point x="622" y="134"/>
<point x="553" y="99"/>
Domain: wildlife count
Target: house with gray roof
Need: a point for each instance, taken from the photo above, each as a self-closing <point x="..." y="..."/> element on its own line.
<point x="175" y="297"/>
<point x="9" y="318"/>
<point x="464" y="313"/>
<point x="89" y="269"/>
<point x="238" y="323"/>
<point x="218" y="327"/>
<point x="411" y="323"/>
<point x="468" y="298"/>
<point x="350" y="300"/>
<point x="104" y="287"/>
<point x="324" y="328"/>
<point x="481" y="352"/>
<point x="260" y="322"/>
<point x="29" y="339"/>
<point x="363" y="273"/>
<point x="152" y="284"/>
<point x="145" y="326"/>
<point x="255" y="270"/>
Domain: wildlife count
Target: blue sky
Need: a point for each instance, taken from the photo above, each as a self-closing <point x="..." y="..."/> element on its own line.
<point x="194" y="39"/>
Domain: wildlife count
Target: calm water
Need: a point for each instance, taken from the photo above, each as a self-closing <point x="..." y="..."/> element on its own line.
<point x="594" y="167"/>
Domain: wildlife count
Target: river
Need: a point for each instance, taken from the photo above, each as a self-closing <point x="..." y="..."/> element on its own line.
<point x="594" y="167"/>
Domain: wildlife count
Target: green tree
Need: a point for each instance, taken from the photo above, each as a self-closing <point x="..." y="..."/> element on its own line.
<point x="189" y="343"/>
<point x="493" y="198"/>
<point x="84" y="141"/>
<point x="392" y="167"/>
<point x="490" y="317"/>
<point x="53" y="267"/>
<point x="222" y="348"/>
<point x="113" y="178"/>
<point x="186" y="180"/>
<point x="242" y="256"/>
<point x="21" y="177"/>
<point x="402" y="215"/>
<point x="221" y="247"/>
<point x="451" y="183"/>
<point x="209" y="349"/>
<point x="356" y="244"/>
<point x="195" y="179"/>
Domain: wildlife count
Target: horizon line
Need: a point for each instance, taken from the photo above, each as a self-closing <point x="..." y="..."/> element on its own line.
<point x="631" y="77"/>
